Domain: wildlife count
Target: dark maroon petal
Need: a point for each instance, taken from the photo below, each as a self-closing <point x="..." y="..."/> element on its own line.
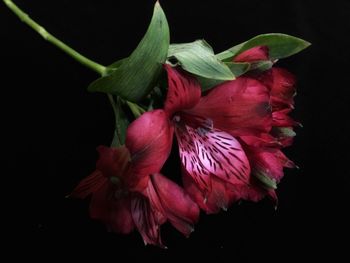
<point x="253" y="54"/>
<point x="281" y="84"/>
<point x="281" y="119"/>
<point x="120" y="219"/>
<point x="101" y="202"/>
<point x="260" y="140"/>
<point x="269" y="162"/>
<point x="89" y="185"/>
<point x="183" y="91"/>
<point x="146" y="221"/>
<point x="235" y="105"/>
<point x="198" y="195"/>
<point x="178" y="207"/>
<point x="149" y="140"/>
<point x="212" y="152"/>
<point x="113" y="162"/>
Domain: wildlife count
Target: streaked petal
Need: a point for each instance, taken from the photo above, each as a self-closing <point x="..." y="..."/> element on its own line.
<point x="146" y="221"/>
<point x="183" y="91"/>
<point x="212" y="152"/>
<point x="89" y="185"/>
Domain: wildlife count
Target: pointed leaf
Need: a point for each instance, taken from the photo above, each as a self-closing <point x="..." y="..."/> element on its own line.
<point x="266" y="181"/>
<point x="280" y="46"/>
<point x="121" y="124"/>
<point x="135" y="76"/>
<point x="198" y="58"/>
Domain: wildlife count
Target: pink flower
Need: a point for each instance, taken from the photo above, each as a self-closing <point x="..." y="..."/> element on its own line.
<point x="127" y="189"/>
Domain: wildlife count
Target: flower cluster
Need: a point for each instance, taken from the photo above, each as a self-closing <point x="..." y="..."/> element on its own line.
<point x="228" y="112"/>
<point x="229" y="138"/>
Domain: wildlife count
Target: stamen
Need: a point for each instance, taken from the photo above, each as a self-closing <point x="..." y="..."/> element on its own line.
<point x="177" y="118"/>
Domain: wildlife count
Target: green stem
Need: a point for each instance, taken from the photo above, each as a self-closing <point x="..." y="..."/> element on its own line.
<point x="100" y="69"/>
<point x="58" y="43"/>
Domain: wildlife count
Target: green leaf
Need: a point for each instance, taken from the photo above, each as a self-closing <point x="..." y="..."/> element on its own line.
<point x="198" y="58"/>
<point x="261" y="65"/>
<point x="267" y="182"/>
<point x="135" y="76"/>
<point x="121" y="124"/>
<point x="114" y="66"/>
<point x="280" y="46"/>
<point x="237" y="70"/>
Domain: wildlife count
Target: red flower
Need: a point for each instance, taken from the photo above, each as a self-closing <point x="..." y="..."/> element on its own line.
<point x="127" y="189"/>
<point x="229" y="133"/>
<point x="264" y="150"/>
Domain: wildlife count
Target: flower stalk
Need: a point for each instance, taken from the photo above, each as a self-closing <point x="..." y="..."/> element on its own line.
<point x="55" y="41"/>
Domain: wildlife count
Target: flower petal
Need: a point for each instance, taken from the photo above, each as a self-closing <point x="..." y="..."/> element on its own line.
<point x="239" y="104"/>
<point x="269" y="162"/>
<point x="281" y="84"/>
<point x="149" y="140"/>
<point x="254" y="54"/>
<point x="198" y="195"/>
<point x="213" y="152"/>
<point x="183" y="91"/>
<point x="281" y="119"/>
<point x="113" y="162"/>
<point x="89" y="185"/>
<point x="121" y="220"/>
<point x="170" y="198"/>
<point x="145" y="221"/>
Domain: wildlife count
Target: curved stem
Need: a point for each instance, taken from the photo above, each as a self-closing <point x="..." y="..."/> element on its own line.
<point x="52" y="39"/>
<point x="100" y="69"/>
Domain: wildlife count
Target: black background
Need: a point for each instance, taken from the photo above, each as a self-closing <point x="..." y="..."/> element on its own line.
<point x="52" y="126"/>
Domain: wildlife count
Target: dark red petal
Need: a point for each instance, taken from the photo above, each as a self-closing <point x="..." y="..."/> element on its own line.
<point x="251" y="192"/>
<point x="89" y="185"/>
<point x="212" y="152"/>
<point x="183" y="91"/>
<point x="281" y="119"/>
<point x="178" y="207"/>
<point x="260" y="140"/>
<point x="239" y="104"/>
<point x="269" y="162"/>
<point x="146" y="221"/>
<point x="101" y="202"/>
<point x="281" y="84"/>
<point x="198" y="195"/>
<point x="253" y="54"/>
<point x="121" y="220"/>
<point x="149" y="140"/>
<point x="113" y="162"/>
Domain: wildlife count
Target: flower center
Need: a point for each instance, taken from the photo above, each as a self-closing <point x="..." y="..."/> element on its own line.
<point x="176" y="118"/>
<point x="115" y="180"/>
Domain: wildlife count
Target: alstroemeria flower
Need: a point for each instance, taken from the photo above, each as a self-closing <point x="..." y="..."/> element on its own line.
<point x="216" y="170"/>
<point x="226" y="136"/>
<point x="263" y="149"/>
<point x="127" y="189"/>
